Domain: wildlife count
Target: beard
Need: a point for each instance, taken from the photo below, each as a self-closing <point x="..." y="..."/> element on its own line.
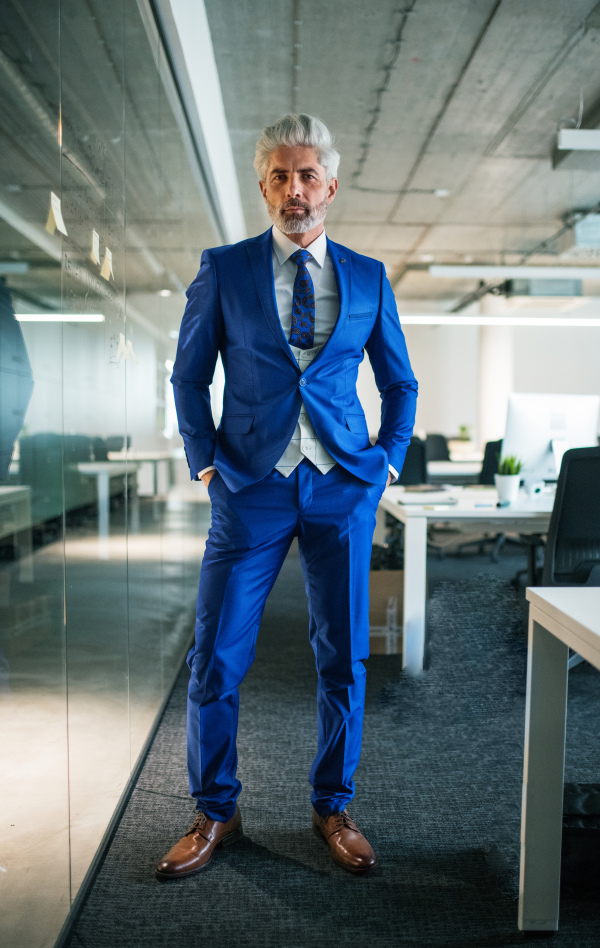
<point x="297" y="223"/>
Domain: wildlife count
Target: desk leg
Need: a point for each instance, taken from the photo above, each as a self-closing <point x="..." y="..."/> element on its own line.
<point x="543" y="776"/>
<point x="24" y="543"/>
<point x="155" y="504"/>
<point x="415" y="594"/>
<point x="134" y="522"/>
<point x="103" y="514"/>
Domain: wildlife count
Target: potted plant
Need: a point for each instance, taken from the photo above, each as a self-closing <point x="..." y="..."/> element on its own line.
<point x="461" y="447"/>
<point x="508" y="478"/>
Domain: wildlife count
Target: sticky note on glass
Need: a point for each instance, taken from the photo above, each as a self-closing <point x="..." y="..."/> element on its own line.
<point x="107" y="270"/>
<point x="95" y="251"/>
<point x="55" y="219"/>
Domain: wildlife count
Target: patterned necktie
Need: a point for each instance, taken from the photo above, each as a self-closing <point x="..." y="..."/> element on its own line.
<point x="302" y="333"/>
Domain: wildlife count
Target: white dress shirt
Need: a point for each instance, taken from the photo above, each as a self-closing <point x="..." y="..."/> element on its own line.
<point x="304" y="442"/>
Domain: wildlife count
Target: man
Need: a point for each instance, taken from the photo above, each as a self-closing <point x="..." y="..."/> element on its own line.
<point x="290" y="312"/>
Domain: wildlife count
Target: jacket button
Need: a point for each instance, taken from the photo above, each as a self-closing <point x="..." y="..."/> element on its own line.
<point x="302" y="382"/>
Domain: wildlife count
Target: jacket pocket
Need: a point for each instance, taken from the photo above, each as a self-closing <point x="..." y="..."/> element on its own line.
<point x="356" y="424"/>
<point x="360" y="315"/>
<point x="236" y="424"/>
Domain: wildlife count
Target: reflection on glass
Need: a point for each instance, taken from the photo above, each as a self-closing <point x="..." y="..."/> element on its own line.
<point x="101" y="533"/>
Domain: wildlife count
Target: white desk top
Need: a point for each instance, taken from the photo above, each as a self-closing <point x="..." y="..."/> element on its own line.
<point x="112" y="468"/>
<point x="13" y="493"/>
<point x="572" y="614"/>
<point x="571" y="605"/>
<point x="133" y="455"/>
<point x="477" y="504"/>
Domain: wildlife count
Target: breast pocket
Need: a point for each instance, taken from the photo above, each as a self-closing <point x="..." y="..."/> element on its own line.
<point x="361" y="315"/>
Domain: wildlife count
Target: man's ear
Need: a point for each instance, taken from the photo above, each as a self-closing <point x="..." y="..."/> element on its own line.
<point x="263" y="189"/>
<point x="332" y="186"/>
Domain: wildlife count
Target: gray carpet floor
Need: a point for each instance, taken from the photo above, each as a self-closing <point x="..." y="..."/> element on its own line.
<point x="439" y="791"/>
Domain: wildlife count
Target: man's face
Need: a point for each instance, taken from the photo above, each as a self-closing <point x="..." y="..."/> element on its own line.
<point x="296" y="190"/>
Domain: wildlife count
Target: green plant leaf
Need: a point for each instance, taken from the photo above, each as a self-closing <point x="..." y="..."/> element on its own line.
<point x="510" y="465"/>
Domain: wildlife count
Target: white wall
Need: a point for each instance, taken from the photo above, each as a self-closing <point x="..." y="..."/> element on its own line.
<point x="557" y="360"/>
<point x="77" y="388"/>
<point x="445" y="360"/>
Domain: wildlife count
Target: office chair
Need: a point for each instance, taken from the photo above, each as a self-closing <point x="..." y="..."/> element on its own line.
<point x="572" y="554"/>
<point x="489" y="467"/>
<point x="100" y="450"/>
<point x="117" y="442"/>
<point x="414" y="469"/>
<point x="436" y="448"/>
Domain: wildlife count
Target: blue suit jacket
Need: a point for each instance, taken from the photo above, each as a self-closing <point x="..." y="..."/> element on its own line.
<point x="231" y="309"/>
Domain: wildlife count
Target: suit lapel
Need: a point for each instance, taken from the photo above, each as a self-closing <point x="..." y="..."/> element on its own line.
<point x="260" y="252"/>
<point x="342" y="270"/>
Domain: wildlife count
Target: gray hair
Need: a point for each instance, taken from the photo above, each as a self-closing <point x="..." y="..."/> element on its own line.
<point x="292" y="130"/>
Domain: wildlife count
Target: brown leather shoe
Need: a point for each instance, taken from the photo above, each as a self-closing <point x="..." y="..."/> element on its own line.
<point x="194" y="851"/>
<point x="347" y="845"/>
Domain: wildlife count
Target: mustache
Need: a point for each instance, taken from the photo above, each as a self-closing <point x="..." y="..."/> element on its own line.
<point x="296" y="202"/>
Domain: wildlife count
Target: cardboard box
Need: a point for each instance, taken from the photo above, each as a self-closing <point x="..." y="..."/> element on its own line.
<point x="385" y="611"/>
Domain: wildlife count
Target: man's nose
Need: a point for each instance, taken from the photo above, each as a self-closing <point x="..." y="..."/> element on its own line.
<point x="294" y="186"/>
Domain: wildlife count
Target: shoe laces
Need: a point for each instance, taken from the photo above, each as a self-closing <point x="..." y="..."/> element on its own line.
<point x="198" y="824"/>
<point x="342" y="820"/>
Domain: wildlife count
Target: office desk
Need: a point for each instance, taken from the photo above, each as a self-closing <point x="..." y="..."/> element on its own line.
<point x="559" y="617"/>
<point x="15" y="520"/>
<point x="147" y="457"/>
<point x="476" y="506"/>
<point x="103" y="471"/>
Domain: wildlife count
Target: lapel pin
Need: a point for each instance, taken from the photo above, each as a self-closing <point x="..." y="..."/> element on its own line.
<point x="342" y="259"/>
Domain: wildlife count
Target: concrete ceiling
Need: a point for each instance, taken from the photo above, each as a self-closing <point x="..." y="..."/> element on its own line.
<point x="459" y="95"/>
<point x="474" y="92"/>
<point x="123" y="170"/>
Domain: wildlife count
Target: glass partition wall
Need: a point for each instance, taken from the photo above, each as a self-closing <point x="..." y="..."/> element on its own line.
<point x="101" y="534"/>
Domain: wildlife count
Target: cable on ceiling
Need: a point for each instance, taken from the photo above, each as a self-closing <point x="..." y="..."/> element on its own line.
<point x="386" y="69"/>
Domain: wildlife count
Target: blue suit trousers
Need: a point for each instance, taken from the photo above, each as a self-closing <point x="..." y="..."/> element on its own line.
<point x="333" y="517"/>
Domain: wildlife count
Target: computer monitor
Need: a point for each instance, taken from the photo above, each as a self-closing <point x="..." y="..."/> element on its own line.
<point x="540" y="428"/>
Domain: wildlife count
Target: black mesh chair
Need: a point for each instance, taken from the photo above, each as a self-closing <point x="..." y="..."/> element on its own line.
<point x="436" y="448"/>
<point x="99" y="449"/>
<point x="572" y="554"/>
<point x="414" y="469"/>
<point x="489" y="467"/>
<point x="117" y="442"/>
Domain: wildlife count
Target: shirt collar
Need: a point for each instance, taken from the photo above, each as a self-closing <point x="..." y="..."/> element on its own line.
<point x="284" y="247"/>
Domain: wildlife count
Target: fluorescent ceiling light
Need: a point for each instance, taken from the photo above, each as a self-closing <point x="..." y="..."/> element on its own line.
<point x="483" y="272"/>
<point x="60" y="317"/>
<point x="14" y="266"/>
<point x="560" y="304"/>
<point x="455" y="319"/>
<point x="201" y="85"/>
<point x="578" y="139"/>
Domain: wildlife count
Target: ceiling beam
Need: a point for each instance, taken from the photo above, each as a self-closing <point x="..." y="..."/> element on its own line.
<point x="185" y="35"/>
<point x="482" y="272"/>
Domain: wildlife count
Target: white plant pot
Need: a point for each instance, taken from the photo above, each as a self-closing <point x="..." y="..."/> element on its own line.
<point x="507" y="486"/>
